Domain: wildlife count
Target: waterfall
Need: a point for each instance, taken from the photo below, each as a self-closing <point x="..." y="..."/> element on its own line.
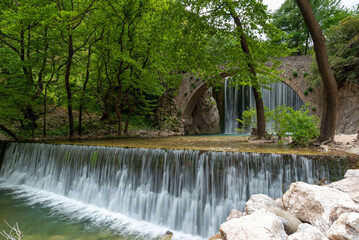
<point x="187" y="192"/>
<point x="238" y="99"/>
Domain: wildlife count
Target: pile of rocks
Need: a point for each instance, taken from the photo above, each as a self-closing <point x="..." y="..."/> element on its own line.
<point x="304" y="212"/>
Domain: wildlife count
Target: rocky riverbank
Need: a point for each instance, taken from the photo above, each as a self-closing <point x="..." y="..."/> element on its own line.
<point x="304" y="212"/>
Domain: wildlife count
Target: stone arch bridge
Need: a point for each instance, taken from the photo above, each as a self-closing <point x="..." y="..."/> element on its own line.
<point x="294" y="70"/>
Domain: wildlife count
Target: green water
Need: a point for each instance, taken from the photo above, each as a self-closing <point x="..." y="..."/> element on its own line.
<point x="39" y="223"/>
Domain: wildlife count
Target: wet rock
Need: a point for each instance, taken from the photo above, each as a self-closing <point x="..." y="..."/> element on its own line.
<point x="261" y="224"/>
<point x="307" y="231"/>
<point x="345" y="227"/>
<point x="318" y="205"/>
<point x="352" y="173"/>
<point x="260" y="201"/>
<point x="234" y="214"/>
<point x="348" y="185"/>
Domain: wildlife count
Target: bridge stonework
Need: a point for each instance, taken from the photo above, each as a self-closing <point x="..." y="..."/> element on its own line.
<point x="294" y="70"/>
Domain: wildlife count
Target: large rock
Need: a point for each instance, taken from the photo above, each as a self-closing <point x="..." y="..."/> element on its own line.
<point x="346" y="227"/>
<point x="258" y="225"/>
<point x="261" y="201"/>
<point x="348" y="185"/>
<point x="351" y="173"/>
<point x="205" y="116"/>
<point x="234" y="214"/>
<point x="307" y="231"/>
<point x="318" y="205"/>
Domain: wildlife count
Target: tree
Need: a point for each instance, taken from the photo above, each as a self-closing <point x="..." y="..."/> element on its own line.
<point x="261" y="128"/>
<point x="330" y="106"/>
<point x="288" y="19"/>
<point x="343" y="50"/>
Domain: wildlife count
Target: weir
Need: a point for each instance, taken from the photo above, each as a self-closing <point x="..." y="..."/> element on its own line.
<point x="188" y="192"/>
<point x="237" y="100"/>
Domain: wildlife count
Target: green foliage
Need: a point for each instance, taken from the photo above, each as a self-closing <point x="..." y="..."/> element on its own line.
<point x="302" y="126"/>
<point x="343" y="49"/>
<point x="295" y="73"/>
<point x="248" y="120"/>
<point x="289" y="19"/>
<point x="310" y="89"/>
<point x="305" y="93"/>
<point x="305" y="74"/>
<point x="286" y="122"/>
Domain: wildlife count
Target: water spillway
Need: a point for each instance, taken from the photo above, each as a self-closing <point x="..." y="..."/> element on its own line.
<point x="149" y="190"/>
<point x="239" y="99"/>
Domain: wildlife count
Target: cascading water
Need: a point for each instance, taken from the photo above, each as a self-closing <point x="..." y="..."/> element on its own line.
<point x="237" y="100"/>
<point x="149" y="190"/>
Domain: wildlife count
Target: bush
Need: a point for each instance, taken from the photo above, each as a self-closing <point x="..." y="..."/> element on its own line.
<point x="248" y="121"/>
<point x="295" y="73"/>
<point x="302" y="126"/>
<point x="299" y="125"/>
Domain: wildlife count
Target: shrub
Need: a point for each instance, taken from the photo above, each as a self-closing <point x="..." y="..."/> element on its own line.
<point x="305" y="93"/>
<point x="295" y="73"/>
<point x="305" y="74"/>
<point x="302" y="126"/>
<point x="310" y="89"/>
<point x="298" y="124"/>
<point x="248" y="121"/>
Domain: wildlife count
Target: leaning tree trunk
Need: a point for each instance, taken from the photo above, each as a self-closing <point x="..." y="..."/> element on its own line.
<point x="331" y="102"/>
<point x="8" y="131"/>
<point x="261" y="122"/>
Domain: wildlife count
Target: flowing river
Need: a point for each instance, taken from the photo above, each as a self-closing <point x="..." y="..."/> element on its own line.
<point x="89" y="192"/>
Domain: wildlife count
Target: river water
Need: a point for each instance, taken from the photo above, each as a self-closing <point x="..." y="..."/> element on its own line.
<point x="85" y="192"/>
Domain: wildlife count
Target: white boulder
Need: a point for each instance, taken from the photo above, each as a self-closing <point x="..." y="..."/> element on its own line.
<point x="351" y="173"/>
<point x="261" y="201"/>
<point x="307" y="231"/>
<point x="259" y="225"/>
<point x="318" y="205"/>
<point x="348" y="185"/>
<point x="345" y="227"/>
<point x="234" y="214"/>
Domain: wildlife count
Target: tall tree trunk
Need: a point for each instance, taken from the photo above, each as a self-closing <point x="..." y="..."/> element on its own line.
<point x="84" y="89"/>
<point x="261" y="124"/>
<point x="119" y="117"/>
<point x="68" y="87"/>
<point x="331" y="102"/>
<point x="45" y="112"/>
<point x="132" y="108"/>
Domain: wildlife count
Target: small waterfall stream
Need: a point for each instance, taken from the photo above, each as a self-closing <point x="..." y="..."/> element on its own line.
<point x="149" y="190"/>
<point x="237" y="100"/>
